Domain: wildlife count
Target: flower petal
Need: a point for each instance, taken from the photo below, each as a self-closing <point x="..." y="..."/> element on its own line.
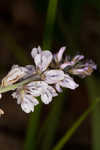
<point x="68" y="82"/>
<point x="58" y="88"/>
<point x="46" y="97"/>
<point x="36" y="85"/>
<point x="65" y="65"/>
<point x="36" y="51"/>
<point x="53" y="76"/>
<point x="28" y="103"/>
<point x="52" y="91"/>
<point x="14" y="75"/>
<point x="59" y="55"/>
<point x="43" y="60"/>
<point x="77" y="58"/>
<point x="30" y="70"/>
<point x="83" y="70"/>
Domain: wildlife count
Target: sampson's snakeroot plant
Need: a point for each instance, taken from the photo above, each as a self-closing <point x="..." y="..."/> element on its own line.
<point x="46" y="78"/>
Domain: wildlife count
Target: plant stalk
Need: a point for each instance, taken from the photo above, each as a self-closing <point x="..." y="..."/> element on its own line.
<point x="19" y="84"/>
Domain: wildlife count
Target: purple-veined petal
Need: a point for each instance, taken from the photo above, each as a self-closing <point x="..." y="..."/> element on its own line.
<point x="35" y="88"/>
<point x="58" y="88"/>
<point x="43" y="60"/>
<point x="46" y="97"/>
<point x="28" y="103"/>
<point x="77" y="58"/>
<point x="52" y="91"/>
<point x="68" y="82"/>
<point x="84" y="70"/>
<point x="14" y="75"/>
<point x="30" y="68"/>
<point x="59" y="55"/>
<point x="65" y="65"/>
<point x="27" y="107"/>
<point x="33" y="92"/>
<point x="36" y="85"/>
<point x="35" y="51"/>
<point x="53" y="76"/>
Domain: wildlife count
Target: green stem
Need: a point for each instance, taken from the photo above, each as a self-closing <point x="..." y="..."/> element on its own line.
<point x="75" y="126"/>
<point x="17" y="85"/>
<point x="50" y="21"/>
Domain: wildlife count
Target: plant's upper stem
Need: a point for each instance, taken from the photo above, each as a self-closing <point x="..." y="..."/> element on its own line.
<point x="19" y="84"/>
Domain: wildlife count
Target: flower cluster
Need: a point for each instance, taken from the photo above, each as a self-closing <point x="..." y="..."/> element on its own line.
<point x="53" y="73"/>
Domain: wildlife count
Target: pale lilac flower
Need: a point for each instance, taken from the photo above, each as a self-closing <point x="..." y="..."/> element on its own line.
<point x="53" y="76"/>
<point x="26" y="100"/>
<point x="42" y="59"/>
<point x="77" y="58"/>
<point x="59" y="55"/>
<point x="66" y="65"/>
<point x="28" y="103"/>
<point x="38" y="88"/>
<point x="47" y="94"/>
<point x="29" y="71"/>
<point x="35" y="51"/>
<point x="83" y="70"/>
<point x="26" y="95"/>
<point x="14" y="75"/>
<point x="70" y="63"/>
<point x="67" y="82"/>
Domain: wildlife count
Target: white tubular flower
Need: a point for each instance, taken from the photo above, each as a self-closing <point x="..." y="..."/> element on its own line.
<point x="35" y="88"/>
<point x="70" y="63"/>
<point x="47" y="94"/>
<point x="26" y="95"/>
<point x="38" y="88"/>
<point x="68" y="82"/>
<point x="77" y="58"/>
<point x="49" y="75"/>
<point x="59" y="55"/>
<point x="35" y="51"/>
<point x="29" y="71"/>
<point x="14" y="75"/>
<point x="46" y="97"/>
<point x="66" y="65"/>
<point x="27" y="101"/>
<point x="53" y="76"/>
<point x="58" y="88"/>
<point x="42" y="59"/>
<point x="83" y="70"/>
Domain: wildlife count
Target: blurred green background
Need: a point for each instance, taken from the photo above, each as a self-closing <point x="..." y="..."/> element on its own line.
<point x="51" y="24"/>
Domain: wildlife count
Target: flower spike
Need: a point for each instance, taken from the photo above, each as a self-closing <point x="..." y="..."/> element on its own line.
<point x="53" y="72"/>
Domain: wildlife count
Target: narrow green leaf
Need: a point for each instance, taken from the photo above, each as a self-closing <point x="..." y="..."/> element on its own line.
<point x="75" y="126"/>
<point x="49" y="130"/>
<point x="93" y="90"/>
<point x="50" y="21"/>
<point x="31" y="137"/>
